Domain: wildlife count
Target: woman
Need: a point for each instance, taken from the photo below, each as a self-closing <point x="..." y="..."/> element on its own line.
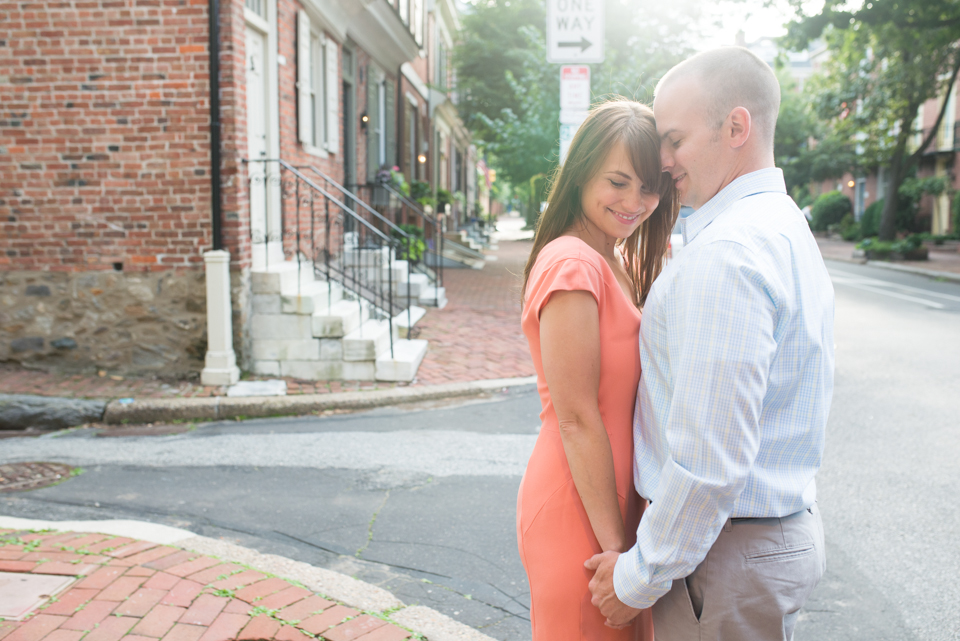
<point x="598" y="247"/>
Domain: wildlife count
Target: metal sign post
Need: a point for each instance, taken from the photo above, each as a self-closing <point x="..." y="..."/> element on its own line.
<point x="575" y="31"/>
<point x="574" y="103"/>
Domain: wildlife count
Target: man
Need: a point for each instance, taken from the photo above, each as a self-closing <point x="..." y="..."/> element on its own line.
<point x="736" y="347"/>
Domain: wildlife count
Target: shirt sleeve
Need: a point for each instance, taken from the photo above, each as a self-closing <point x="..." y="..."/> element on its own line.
<point x="566" y="274"/>
<point x="723" y="313"/>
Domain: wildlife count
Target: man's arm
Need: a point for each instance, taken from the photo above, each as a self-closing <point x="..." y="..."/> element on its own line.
<point x="723" y="311"/>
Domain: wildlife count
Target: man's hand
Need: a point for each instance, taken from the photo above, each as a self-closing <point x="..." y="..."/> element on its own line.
<point x="618" y="614"/>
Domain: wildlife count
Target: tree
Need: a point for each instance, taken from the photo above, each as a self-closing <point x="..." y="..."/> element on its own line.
<point x="887" y="59"/>
<point x="510" y="94"/>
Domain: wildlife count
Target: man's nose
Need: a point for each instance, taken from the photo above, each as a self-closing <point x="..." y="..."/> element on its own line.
<point x="666" y="161"/>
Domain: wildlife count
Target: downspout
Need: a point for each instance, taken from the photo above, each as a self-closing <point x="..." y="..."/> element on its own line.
<point x="214" y="66"/>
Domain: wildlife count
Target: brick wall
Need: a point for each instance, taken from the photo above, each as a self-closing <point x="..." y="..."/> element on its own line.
<point x="104" y="121"/>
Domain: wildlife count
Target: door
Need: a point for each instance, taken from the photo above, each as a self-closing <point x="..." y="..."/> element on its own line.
<point x="257" y="144"/>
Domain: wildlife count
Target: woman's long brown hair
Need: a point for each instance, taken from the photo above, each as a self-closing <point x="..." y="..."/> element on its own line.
<point x="645" y="249"/>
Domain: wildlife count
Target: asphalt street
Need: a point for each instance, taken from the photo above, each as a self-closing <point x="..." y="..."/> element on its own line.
<point x="421" y="500"/>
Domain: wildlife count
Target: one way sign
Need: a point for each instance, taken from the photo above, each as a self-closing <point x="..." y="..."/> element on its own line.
<point x="575" y="31"/>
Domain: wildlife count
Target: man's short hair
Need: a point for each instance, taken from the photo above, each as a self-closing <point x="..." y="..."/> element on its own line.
<point x="733" y="77"/>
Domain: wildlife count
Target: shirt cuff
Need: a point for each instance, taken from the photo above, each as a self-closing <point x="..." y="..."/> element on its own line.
<point x="629" y="585"/>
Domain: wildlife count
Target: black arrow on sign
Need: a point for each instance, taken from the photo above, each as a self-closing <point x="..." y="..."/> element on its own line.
<point x="584" y="44"/>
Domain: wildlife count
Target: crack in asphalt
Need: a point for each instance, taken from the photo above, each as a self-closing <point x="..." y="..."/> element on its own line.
<point x="370" y="525"/>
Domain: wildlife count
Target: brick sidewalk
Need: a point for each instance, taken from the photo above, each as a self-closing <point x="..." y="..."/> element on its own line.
<point x="142" y="591"/>
<point x="942" y="259"/>
<point x="476" y="336"/>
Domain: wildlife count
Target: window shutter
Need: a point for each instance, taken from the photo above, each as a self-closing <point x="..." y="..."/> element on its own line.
<point x="304" y="117"/>
<point x="373" y="122"/>
<point x="391" y="103"/>
<point x="332" y="91"/>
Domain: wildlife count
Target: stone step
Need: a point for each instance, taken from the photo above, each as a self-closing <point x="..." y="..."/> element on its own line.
<point x="403" y="321"/>
<point x="368" y="340"/>
<point x="365" y="257"/>
<point x="403" y="364"/>
<point x="433" y="297"/>
<point x="418" y="282"/>
<point x="313" y="297"/>
<point x="280" y="327"/>
<point x="281" y="277"/>
<point x="341" y="319"/>
<point x="400" y="268"/>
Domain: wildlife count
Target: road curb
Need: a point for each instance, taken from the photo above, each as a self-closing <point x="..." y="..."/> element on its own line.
<point x="230" y="407"/>
<point x="909" y="269"/>
<point x="422" y="620"/>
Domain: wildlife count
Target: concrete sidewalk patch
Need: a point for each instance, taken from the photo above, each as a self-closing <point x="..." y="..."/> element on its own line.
<point x="215" y="600"/>
<point x="219" y="407"/>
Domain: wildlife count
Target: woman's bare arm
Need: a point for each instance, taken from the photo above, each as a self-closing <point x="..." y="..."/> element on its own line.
<point x="570" y="350"/>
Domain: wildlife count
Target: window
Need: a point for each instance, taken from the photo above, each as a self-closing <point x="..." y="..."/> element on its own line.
<point x="316" y="77"/>
<point x="382" y="122"/>
<point x="441" y="66"/>
<point x="404" y="11"/>
<point x="257" y="6"/>
<point x="318" y="95"/>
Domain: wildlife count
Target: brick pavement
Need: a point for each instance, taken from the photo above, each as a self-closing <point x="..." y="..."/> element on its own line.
<point x="943" y="258"/>
<point x="142" y="591"/>
<point x="476" y="336"/>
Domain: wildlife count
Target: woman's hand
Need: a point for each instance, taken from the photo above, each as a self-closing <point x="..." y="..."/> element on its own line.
<point x="570" y="351"/>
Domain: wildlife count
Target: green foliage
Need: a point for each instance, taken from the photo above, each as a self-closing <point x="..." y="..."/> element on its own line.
<point x="420" y="191"/>
<point x="510" y="94"/>
<point x="886" y="58"/>
<point x="870" y="221"/>
<point x="956" y="215"/>
<point x="848" y="228"/>
<point x="444" y="197"/>
<point x="829" y="209"/>
<point x="412" y="247"/>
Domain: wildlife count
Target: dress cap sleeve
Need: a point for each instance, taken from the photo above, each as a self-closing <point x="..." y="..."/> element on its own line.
<point x="570" y="270"/>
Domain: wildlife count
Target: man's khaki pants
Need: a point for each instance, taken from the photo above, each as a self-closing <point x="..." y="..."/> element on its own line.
<point x="750" y="586"/>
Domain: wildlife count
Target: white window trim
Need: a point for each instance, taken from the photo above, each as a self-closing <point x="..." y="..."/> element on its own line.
<point x="323" y="120"/>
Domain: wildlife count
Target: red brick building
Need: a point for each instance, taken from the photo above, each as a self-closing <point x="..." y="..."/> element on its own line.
<point x="106" y="198"/>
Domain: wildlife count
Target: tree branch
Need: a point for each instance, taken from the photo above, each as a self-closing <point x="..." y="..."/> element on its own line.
<point x="943" y="109"/>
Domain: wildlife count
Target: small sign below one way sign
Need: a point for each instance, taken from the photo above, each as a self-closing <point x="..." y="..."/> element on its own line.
<point x="575" y="31"/>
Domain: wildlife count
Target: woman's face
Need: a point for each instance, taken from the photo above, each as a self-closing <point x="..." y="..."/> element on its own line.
<point x="615" y="200"/>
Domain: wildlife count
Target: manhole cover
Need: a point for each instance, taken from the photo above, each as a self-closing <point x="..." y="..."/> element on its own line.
<point x="20" y="594"/>
<point x="16" y="477"/>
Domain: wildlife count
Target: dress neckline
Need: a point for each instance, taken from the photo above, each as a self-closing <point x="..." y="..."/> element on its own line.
<point x="606" y="266"/>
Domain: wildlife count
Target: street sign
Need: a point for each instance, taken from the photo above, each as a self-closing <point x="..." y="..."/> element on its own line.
<point x="575" y="31"/>
<point x="574" y="88"/>
<point x="570" y="122"/>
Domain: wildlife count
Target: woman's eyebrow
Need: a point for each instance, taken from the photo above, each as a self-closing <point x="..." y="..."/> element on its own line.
<point x="620" y="173"/>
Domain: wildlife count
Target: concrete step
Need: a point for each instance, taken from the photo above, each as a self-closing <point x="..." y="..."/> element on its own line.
<point x="403" y="364"/>
<point x="433" y="297"/>
<point x="365" y="257"/>
<point x="403" y="321"/>
<point x="280" y="327"/>
<point x="313" y="297"/>
<point x="418" y="282"/>
<point x="400" y="268"/>
<point x="341" y="319"/>
<point x="281" y="277"/>
<point x="368" y="340"/>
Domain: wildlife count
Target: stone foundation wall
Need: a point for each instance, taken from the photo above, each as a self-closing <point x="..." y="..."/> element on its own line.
<point x="120" y="322"/>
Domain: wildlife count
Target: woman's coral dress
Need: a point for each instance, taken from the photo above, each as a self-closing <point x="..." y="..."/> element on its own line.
<point x="553" y="531"/>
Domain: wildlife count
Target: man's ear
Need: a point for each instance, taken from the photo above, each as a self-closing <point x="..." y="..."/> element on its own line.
<point x="738" y="127"/>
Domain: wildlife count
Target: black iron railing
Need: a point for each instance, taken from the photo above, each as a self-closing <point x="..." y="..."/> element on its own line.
<point x="432" y="226"/>
<point x="342" y="239"/>
<point x="395" y="209"/>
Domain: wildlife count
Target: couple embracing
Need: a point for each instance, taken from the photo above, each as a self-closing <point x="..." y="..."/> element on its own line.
<point x="671" y="491"/>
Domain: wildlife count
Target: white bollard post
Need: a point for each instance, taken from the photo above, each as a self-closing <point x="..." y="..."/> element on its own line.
<point x="221" y="362"/>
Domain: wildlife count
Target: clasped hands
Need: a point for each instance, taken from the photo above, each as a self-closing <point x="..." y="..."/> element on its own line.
<point x="619" y="615"/>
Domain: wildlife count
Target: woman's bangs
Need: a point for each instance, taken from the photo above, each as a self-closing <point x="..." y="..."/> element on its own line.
<point x="645" y="157"/>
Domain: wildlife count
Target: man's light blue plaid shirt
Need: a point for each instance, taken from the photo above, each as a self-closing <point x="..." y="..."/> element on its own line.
<point x="736" y="347"/>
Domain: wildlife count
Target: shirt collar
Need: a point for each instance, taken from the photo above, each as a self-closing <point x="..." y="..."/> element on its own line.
<point x="764" y="180"/>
